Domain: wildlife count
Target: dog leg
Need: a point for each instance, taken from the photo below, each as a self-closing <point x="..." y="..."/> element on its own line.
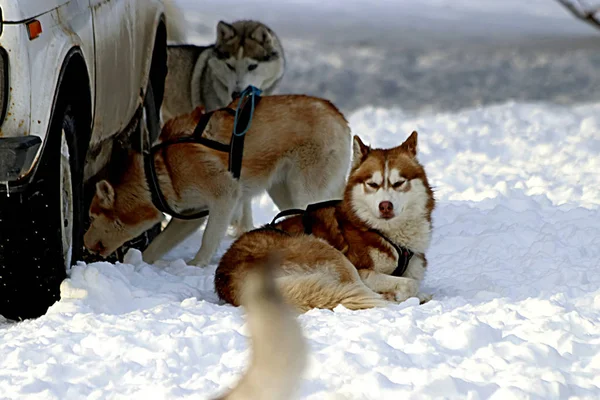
<point x="416" y="270"/>
<point x="403" y="288"/>
<point x="280" y="195"/>
<point x="321" y="290"/>
<point x="176" y="232"/>
<point x="218" y="220"/>
<point x="243" y="220"/>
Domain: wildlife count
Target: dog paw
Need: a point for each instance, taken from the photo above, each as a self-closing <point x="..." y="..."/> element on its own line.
<point x="407" y="289"/>
<point x="424" y="297"/>
<point x="198" y="262"/>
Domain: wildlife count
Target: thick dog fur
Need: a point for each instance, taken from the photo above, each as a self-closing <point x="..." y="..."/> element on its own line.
<point x="298" y="149"/>
<point x="344" y="261"/>
<point x="279" y="352"/>
<point x="245" y="53"/>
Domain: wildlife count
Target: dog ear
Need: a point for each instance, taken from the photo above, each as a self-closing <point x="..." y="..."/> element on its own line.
<point x="410" y="144"/>
<point x="359" y="151"/>
<point x="262" y="35"/>
<point x="225" y="32"/>
<point x="106" y="194"/>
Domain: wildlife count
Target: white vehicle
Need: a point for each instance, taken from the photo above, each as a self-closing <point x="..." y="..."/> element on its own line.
<point x="76" y="77"/>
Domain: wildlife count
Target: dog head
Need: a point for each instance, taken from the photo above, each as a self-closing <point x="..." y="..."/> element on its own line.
<point x="387" y="187"/>
<point x="122" y="211"/>
<point x="247" y="54"/>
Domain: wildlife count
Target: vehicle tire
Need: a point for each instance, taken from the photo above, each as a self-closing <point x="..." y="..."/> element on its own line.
<point x="44" y="224"/>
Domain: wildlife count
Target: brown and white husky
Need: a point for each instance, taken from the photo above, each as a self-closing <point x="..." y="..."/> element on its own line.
<point x="298" y="149"/>
<point x="364" y="252"/>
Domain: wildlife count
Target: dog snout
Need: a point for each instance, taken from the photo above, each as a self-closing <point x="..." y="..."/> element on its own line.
<point x="386" y="209"/>
<point x="97" y="248"/>
<point x="235" y="94"/>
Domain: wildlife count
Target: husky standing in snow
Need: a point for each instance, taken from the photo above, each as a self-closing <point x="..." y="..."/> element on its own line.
<point x="298" y="149"/>
<point x="246" y="53"/>
<point x="363" y="252"/>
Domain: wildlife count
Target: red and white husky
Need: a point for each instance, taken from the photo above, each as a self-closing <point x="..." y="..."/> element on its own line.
<point x="363" y="252"/>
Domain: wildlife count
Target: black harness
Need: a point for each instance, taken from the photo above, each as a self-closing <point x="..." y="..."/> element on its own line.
<point x="404" y="254"/>
<point x="307" y="220"/>
<point x="235" y="148"/>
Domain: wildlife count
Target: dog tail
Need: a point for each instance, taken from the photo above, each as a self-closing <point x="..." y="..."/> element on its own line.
<point x="175" y="22"/>
<point x="279" y="351"/>
<point x="319" y="290"/>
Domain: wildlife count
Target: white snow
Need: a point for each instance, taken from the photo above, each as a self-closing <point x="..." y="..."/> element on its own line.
<point x="514" y="271"/>
<point x="514" y="266"/>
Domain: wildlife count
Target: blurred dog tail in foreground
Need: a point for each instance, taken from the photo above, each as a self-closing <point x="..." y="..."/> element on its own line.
<point x="279" y="351"/>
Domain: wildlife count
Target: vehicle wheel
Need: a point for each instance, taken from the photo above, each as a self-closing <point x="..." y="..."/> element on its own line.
<point x="44" y="222"/>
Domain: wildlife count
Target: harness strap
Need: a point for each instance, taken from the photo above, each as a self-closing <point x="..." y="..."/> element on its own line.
<point x="158" y="197"/>
<point x="235" y="149"/>
<point x="286" y="213"/>
<point x="241" y="125"/>
<point x="307" y="220"/>
<point x="404" y="254"/>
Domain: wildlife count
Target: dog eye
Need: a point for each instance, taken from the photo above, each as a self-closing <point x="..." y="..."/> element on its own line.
<point x="398" y="184"/>
<point x="373" y="185"/>
<point x="252" y="67"/>
<point x="230" y="66"/>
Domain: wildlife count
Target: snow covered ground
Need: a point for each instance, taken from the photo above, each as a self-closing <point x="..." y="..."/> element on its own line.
<point x="514" y="270"/>
<point x="423" y="56"/>
<point x="515" y="259"/>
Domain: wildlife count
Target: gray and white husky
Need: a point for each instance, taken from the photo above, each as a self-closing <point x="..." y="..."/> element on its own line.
<point x="245" y="53"/>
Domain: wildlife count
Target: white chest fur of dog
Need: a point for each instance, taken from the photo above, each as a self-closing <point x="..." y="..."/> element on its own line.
<point x="297" y="148"/>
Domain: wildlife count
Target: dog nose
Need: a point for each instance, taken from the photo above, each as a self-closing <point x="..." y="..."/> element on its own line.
<point x="98" y="248"/>
<point x="386" y="207"/>
<point x="235" y="94"/>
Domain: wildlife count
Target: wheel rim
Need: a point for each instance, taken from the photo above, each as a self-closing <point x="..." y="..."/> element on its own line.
<point x="66" y="201"/>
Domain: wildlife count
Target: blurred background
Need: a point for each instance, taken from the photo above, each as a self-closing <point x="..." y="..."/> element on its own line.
<point x="423" y="56"/>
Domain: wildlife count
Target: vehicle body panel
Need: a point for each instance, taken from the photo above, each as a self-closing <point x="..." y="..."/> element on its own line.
<point x="116" y="40"/>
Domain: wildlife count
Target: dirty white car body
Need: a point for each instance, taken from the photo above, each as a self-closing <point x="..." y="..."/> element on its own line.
<point x="92" y="60"/>
<point x="109" y="34"/>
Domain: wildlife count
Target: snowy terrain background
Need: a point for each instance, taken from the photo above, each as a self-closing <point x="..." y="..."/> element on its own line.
<point x="506" y="98"/>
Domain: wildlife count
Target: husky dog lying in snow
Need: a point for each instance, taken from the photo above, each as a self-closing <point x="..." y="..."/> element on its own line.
<point x="245" y="53"/>
<point x="279" y="351"/>
<point x="298" y="148"/>
<point x="364" y="252"/>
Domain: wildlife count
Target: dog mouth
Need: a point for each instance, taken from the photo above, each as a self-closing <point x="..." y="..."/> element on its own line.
<point x="100" y="249"/>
